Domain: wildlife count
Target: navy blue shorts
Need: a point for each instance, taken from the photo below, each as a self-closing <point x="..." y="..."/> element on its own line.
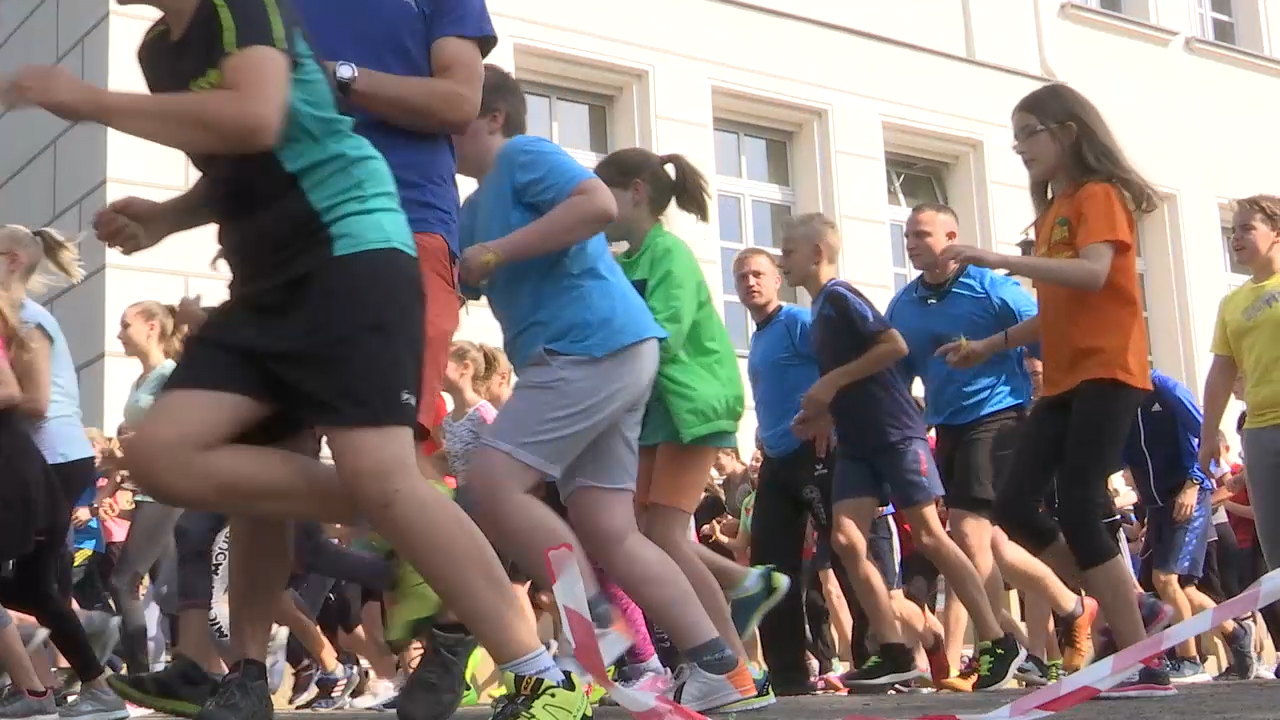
<point x="904" y="474"/>
<point x="1178" y="548"/>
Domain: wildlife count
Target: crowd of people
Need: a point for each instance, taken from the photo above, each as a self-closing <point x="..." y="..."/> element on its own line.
<point x="870" y="544"/>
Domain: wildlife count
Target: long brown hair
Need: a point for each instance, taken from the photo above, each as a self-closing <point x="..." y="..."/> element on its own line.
<point x="686" y="185"/>
<point x="1093" y="154"/>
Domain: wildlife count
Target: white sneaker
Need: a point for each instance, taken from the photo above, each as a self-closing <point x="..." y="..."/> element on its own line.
<point x="701" y="691"/>
<point x="377" y="692"/>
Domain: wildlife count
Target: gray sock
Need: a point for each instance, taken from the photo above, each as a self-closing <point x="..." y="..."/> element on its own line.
<point x="714" y="656"/>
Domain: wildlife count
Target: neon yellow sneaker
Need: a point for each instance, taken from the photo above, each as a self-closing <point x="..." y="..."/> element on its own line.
<point x="538" y="699"/>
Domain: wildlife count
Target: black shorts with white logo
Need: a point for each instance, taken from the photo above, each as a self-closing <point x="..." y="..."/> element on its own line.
<point x="340" y="347"/>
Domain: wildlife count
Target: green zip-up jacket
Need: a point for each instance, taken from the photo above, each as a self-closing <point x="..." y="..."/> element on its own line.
<point x="698" y="377"/>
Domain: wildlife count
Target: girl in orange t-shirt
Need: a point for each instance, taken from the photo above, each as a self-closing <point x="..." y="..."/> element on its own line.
<point x="1093" y="343"/>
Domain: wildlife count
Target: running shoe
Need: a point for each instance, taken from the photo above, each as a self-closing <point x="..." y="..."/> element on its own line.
<point x="763" y="697"/>
<point x="939" y="664"/>
<point x="965" y="680"/>
<point x="998" y="660"/>
<point x="1033" y="672"/>
<point x="1056" y="672"/>
<point x="304" y="684"/>
<point x="243" y="694"/>
<point x="701" y="691"/>
<point x="95" y="703"/>
<point x="435" y="688"/>
<point x="538" y="699"/>
<point x="379" y="691"/>
<point x="1075" y="637"/>
<point x="180" y="689"/>
<point x="18" y="705"/>
<point x="1186" y="671"/>
<point x="1146" y="681"/>
<point x="334" y="690"/>
<point x="763" y="589"/>
<point x="894" y="664"/>
<point x="1240" y="646"/>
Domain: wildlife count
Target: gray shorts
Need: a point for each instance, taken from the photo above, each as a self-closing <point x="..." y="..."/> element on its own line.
<point x="577" y="419"/>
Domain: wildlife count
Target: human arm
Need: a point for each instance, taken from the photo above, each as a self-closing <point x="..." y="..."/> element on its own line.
<point x="857" y="317"/>
<point x="35" y="374"/>
<point x="459" y="34"/>
<point x="585" y="212"/>
<point x="1087" y="272"/>
<point x="968" y="353"/>
<point x="10" y="390"/>
<point x="1239" y="509"/>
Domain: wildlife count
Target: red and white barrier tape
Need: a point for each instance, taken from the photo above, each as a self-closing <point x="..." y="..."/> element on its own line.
<point x="575" y="618"/>
<point x="1106" y="673"/>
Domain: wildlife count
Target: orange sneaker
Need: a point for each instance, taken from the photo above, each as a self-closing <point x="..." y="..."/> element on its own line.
<point x="1076" y="639"/>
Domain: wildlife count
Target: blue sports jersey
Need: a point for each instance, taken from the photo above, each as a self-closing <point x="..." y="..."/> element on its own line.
<point x="875" y="411"/>
<point x="1163" y="447"/>
<point x="781" y="367"/>
<point x="575" y="301"/>
<point x="979" y="303"/>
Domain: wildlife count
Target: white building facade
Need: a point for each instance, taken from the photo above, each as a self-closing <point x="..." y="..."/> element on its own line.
<point x="855" y="109"/>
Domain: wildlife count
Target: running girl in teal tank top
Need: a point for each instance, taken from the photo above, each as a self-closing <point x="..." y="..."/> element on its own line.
<point x="698" y="397"/>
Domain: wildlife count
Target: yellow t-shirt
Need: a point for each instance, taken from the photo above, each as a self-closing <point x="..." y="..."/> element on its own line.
<point x="1248" y="330"/>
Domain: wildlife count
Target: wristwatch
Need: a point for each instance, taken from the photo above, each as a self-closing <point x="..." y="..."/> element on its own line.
<point x="344" y="76"/>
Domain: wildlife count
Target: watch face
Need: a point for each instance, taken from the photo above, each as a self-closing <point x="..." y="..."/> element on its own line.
<point x="345" y="72"/>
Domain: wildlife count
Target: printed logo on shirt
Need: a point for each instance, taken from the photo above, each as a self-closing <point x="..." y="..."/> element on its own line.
<point x="408" y="398"/>
<point x="1259" y="306"/>
<point x="1155" y="407"/>
<point x="1059" y="245"/>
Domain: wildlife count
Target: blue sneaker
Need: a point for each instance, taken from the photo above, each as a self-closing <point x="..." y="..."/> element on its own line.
<point x="763" y="589"/>
<point x="1186" y="671"/>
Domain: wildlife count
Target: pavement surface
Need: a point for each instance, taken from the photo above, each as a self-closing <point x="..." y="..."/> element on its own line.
<point x="1256" y="700"/>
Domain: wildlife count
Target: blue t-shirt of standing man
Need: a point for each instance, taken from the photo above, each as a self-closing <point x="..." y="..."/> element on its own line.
<point x="396" y="37"/>
<point x="977" y="303"/>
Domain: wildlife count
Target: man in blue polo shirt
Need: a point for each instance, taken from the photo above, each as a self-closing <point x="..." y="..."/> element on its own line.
<point x="976" y="413"/>
<point x="410" y="72"/>
<point x="1162" y="454"/>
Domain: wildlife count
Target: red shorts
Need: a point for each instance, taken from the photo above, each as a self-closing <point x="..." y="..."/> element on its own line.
<point x="440" y="293"/>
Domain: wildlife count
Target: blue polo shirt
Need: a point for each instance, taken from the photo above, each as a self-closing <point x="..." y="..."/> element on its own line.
<point x="395" y="36"/>
<point x="876" y="411"/>
<point x="1163" y="447"/>
<point x="781" y="367"/>
<point x="979" y="303"/>
<point x="574" y="301"/>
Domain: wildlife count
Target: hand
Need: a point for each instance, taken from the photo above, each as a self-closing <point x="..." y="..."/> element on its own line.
<point x="1185" y="503"/>
<point x="1210" y="453"/>
<point x="729" y="527"/>
<point x="965" y="353"/>
<point x="818" y="399"/>
<point x="816" y="427"/>
<point x="970" y="255"/>
<point x="108" y="508"/>
<point x="81" y="516"/>
<point x="477" y="263"/>
<point x="131" y="224"/>
<point x="53" y="88"/>
<point x="1234" y="483"/>
<point x="190" y="313"/>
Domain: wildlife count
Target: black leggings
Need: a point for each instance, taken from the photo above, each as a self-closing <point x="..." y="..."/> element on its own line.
<point x="1079" y="436"/>
<point x="73" y="478"/>
<point x="148" y="550"/>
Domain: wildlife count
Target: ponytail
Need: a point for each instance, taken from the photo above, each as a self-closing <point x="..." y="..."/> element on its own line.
<point x="44" y="246"/>
<point x="62" y="254"/>
<point x="172" y="334"/>
<point x="688" y="188"/>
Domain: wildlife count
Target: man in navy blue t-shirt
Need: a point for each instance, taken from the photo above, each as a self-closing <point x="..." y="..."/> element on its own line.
<point x="882" y="455"/>
<point x="410" y="73"/>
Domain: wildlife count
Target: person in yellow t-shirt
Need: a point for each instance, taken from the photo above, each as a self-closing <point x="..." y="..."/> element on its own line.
<point x="1245" y="343"/>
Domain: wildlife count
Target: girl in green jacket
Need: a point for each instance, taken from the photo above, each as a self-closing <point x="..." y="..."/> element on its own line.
<point x="698" y="396"/>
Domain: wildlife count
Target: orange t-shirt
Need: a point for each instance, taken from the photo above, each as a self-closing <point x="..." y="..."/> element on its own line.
<point x="1086" y="335"/>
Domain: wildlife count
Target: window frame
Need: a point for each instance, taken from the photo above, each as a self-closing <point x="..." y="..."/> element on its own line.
<point x="1234" y="279"/>
<point x="1097" y="5"/>
<point x="555" y="93"/>
<point x="746" y="191"/>
<point x="1140" y="263"/>
<point x="1205" y="15"/>
<point x="899" y="214"/>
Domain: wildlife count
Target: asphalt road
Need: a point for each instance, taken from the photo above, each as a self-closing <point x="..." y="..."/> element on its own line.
<point x="1256" y="700"/>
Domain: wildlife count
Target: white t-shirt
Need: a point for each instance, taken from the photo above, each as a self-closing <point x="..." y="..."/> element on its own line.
<point x="462" y="435"/>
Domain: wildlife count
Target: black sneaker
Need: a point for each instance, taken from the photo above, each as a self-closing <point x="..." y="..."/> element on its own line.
<point x="1145" y="682"/>
<point x="243" y="694"/>
<point x="794" y="688"/>
<point x="1243" y="658"/>
<point x="304" y="684"/>
<point x="894" y="664"/>
<point x="998" y="660"/>
<point x="180" y="689"/>
<point x="1033" y="672"/>
<point x="434" y="690"/>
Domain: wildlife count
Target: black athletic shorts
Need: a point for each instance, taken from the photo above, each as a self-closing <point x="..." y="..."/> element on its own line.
<point x="338" y="347"/>
<point x="972" y="458"/>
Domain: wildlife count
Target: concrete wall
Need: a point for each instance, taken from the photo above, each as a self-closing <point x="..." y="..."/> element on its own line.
<point x="930" y="82"/>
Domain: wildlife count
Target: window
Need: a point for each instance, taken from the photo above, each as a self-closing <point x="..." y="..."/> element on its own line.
<point x="578" y="122"/>
<point x="754" y="195"/>
<point x="1142" y="295"/>
<point x="1216" y="20"/>
<point x="909" y="182"/>
<point x="1237" y="273"/>
<point x="1115" y="6"/>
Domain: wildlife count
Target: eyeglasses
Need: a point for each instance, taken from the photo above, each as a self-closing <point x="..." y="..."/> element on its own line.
<point x="1025" y="133"/>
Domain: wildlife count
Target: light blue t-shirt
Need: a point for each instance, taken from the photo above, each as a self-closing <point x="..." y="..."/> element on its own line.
<point x="978" y="304"/>
<point x="573" y="302"/>
<point x="60" y="435"/>
<point x="144" y="393"/>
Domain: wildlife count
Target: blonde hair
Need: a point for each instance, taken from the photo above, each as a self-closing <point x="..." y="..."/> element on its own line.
<point x="501" y="366"/>
<point x="10" y="326"/>
<point x="172" y="333"/>
<point x="40" y="248"/>
<point x="821" y="228"/>
<point x="483" y="359"/>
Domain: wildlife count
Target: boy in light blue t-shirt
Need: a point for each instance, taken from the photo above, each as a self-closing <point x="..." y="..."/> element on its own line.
<point x="585" y="347"/>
